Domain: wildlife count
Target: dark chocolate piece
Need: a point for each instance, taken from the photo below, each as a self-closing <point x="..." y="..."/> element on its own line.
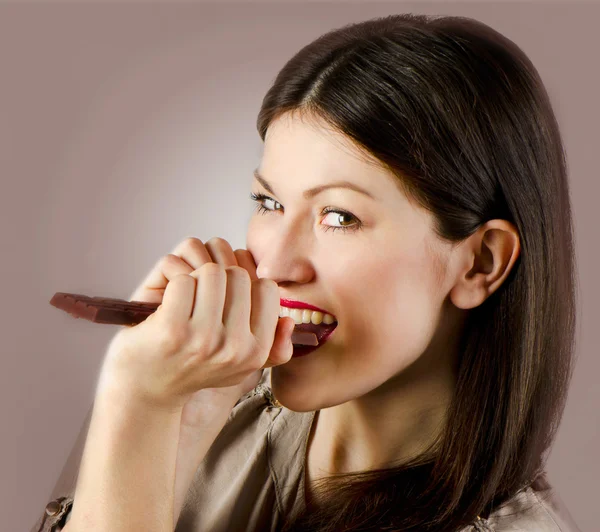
<point x="122" y="312"/>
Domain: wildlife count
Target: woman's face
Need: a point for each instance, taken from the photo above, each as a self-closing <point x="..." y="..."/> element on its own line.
<point x="383" y="278"/>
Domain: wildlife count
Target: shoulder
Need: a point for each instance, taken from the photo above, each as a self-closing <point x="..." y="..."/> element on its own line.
<point x="233" y="482"/>
<point x="537" y="508"/>
<point x="284" y="431"/>
<point x="251" y="472"/>
<point x="250" y="422"/>
<point x="259" y="423"/>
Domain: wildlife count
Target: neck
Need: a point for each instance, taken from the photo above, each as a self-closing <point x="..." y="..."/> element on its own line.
<point x="383" y="428"/>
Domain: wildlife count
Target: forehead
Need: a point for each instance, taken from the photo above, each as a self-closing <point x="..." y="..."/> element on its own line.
<point x="309" y="150"/>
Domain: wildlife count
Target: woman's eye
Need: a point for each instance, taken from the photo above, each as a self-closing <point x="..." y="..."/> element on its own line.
<point x="260" y="207"/>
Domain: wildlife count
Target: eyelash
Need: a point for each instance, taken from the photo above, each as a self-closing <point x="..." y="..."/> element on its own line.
<point x="263" y="210"/>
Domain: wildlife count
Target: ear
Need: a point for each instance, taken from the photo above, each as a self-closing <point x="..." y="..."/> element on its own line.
<point x="483" y="261"/>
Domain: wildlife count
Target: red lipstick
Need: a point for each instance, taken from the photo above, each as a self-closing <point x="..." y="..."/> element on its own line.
<point x="290" y="303"/>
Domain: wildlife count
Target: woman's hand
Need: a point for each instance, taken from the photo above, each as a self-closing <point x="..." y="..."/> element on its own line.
<point x="183" y="354"/>
<point x="216" y="329"/>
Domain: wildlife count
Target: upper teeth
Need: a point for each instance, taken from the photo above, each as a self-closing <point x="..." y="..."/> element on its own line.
<point x="306" y="316"/>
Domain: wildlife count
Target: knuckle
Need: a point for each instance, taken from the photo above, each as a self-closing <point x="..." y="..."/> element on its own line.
<point x="191" y="241"/>
<point x="217" y="241"/>
<point x="205" y="342"/>
<point x="240" y="348"/>
<point x="242" y="254"/>
<point x="172" y="337"/>
<point x="170" y="258"/>
<point x="211" y="269"/>
<point x="186" y="243"/>
<point x="180" y="276"/>
<point x="200" y="346"/>
<point x="238" y="273"/>
<point x="193" y="244"/>
<point x="234" y="347"/>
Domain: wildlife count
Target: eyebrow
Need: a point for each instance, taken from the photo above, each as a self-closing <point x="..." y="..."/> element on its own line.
<point x="312" y="192"/>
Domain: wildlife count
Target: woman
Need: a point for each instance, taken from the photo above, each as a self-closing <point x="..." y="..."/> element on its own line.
<point x="413" y="186"/>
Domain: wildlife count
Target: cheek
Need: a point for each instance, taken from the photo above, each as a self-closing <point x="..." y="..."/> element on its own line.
<point x="254" y="236"/>
<point x="396" y="311"/>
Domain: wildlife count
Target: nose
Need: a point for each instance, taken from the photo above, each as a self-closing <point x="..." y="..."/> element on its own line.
<point x="283" y="255"/>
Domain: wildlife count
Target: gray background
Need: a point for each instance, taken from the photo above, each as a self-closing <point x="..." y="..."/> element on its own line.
<point x="126" y="128"/>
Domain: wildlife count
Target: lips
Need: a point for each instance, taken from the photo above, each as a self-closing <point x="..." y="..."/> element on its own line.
<point x="320" y="330"/>
<point x="290" y="303"/>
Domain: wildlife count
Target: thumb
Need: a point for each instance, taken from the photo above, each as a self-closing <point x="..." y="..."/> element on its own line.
<point x="282" y="349"/>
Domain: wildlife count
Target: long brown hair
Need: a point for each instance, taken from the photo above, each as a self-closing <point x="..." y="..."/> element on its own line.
<point x="460" y="115"/>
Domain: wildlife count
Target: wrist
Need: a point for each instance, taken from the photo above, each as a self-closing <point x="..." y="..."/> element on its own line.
<point x="121" y="407"/>
<point x="112" y="393"/>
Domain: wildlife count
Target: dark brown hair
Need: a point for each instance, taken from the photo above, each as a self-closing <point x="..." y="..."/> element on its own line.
<point x="460" y="115"/>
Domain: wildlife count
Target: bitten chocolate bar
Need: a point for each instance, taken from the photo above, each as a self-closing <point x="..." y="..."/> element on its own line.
<point x="122" y="312"/>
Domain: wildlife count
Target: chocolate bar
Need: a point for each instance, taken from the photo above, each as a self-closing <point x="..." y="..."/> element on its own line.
<point x="123" y="312"/>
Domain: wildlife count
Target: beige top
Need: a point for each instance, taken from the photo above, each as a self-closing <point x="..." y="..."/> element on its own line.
<point x="253" y="475"/>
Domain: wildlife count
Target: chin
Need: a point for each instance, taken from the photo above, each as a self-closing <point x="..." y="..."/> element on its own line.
<point x="299" y="399"/>
<point x="296" y="402"/>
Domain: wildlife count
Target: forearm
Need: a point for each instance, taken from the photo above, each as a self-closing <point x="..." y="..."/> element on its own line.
<point x="127" y="472"/>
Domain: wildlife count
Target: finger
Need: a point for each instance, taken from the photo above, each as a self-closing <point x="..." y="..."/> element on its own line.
<point x="193" y="252"/>
<point x="153" y="286"/>
<point x="236" y="311"/>
<point x="264" y="311"/>
<point x="178" y="300"/>
<point x="187" y="256"/>
<point x="282" y="349"/>
<point x="221" y="252"/>
<point x="246" y="261"/>
<point x="211" y="288"/>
